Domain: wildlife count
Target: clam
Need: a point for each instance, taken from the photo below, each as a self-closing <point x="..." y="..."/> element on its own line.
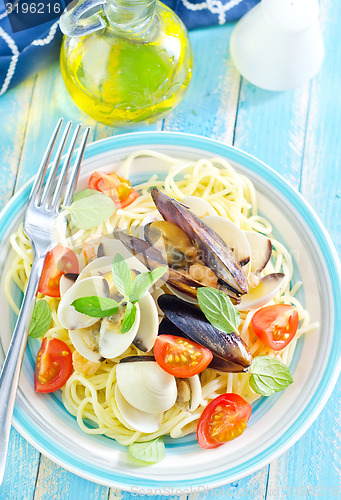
<point x="213" y="250"/>
<point x="66" y="282"/>
<point x="232" y="235"/>
<point x="109" y="247"/>
<point x="199" y="207"/>
<point x="68" y="317"/>
<point x="229" y="349"/>
<point x="261" y="249"/>
<point x="97" y="267"/>
<point x="134" y="418"/>
<point x="112" y="342"/>
<point x="260" y="295"/>
<point x="145" y="385"/>
<point x="196" y="392"/>
<point x="85" y="341"/>
<point x="149" y="324"/>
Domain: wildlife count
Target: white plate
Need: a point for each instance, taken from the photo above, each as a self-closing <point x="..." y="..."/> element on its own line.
<point x="276" y="422"/>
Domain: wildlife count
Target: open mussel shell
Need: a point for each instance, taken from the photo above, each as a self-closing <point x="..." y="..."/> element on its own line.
<point x="214" y="252"/>
<point x="233" y="353"/>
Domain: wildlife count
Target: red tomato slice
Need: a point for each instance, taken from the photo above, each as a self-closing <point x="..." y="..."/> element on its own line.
<point x="117" y="188"/>
<point x="54" y="365"/>
<point x="224" y="419"/>
<point x="58" y="261"/>
<point x="276" y="325"/>
<point x="181" y="357"/>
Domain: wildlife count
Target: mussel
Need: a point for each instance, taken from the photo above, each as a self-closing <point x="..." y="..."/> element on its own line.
<point x="213" y="250"/>
<point x="230" y="353"/>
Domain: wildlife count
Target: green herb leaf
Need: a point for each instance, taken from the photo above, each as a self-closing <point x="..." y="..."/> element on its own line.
<point x="218" y="309"/>
<point x="144" y="281"/>
<point x="151" y="451"/>
<point x="129" y="318"/>
<point x="96" y="307"/>
<point x="84" y="194"/>
<point x="269" y="375"/>
<point x="41" y="319"/>
<point x="122" y="275"/>
<point x="90" y="211"/>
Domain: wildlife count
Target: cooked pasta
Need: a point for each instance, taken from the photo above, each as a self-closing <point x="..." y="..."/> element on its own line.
<point x="91" y="398"/>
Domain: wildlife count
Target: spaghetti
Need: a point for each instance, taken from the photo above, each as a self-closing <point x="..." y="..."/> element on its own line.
<point x="91" y="398"/>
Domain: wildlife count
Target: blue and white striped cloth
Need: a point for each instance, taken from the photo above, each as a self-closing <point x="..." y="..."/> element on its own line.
<point x="27" y="51"/>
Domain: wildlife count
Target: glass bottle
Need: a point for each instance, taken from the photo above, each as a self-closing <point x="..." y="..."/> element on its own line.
<point x="127" y="62"/>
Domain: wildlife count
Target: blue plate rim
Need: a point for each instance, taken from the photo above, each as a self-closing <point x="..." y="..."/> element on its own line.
<point x="327" y="383"/>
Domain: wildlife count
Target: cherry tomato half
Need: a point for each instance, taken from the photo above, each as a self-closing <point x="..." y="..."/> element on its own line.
<point x="276" y="325"/>
<point x="58" y="261"/>
<point x="54" y="365"/>
<point x="224" y="419"/>
<point x="117" y="188"/>
<point x="181" y="357"/>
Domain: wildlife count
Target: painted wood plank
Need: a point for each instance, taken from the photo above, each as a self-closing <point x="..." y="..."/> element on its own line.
<point x="21" y="469"/>
<point x="209" y="107"/>
<point x="14" y="106"/>
<point x="55" y="483"/>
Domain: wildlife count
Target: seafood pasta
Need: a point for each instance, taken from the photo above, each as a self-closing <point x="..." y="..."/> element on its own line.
<point x="167" y="309"/>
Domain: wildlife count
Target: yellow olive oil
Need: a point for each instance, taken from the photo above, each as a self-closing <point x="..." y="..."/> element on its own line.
<point x="116" y="78"/>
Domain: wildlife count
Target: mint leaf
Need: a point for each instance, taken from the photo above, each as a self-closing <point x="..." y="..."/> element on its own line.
<point x="144" y="281"/>
<point x="269" y="375"/>
<point x="90" y="211"/>
<point x="129" y="318"/>
<point x="41" y="319"/>
<point x="218" y="309"/>
<point x="122" y="275"/>
<point x="151" y="451"/>
<point x="96" y="307"/>
<point x="84" y="194"/>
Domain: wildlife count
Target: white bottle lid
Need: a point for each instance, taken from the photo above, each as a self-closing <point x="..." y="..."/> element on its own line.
<point x="292" y="15"/>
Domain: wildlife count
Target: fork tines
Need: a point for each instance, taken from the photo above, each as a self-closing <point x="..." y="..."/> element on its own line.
<point x="47" y="193"/>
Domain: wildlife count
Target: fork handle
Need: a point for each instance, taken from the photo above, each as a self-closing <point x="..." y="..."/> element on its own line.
<point x="9" y="377"/>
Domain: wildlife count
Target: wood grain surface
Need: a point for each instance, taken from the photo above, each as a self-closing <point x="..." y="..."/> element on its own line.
<point x="298" y="134"/>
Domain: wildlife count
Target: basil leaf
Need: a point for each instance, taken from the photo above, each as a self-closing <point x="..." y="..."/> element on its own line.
<point x="122" y="275"/>
<point x="144" y="281"/>
<point x="129" y="318"/>
<point x="218" y="309"/>
<point x="269" y="375"/>
<point x="41" y="319"/>
<point x="84" y="194"/>
<point x="90" y="211"/>
<point x="151" y="451"/>
<point x="96" y="307"/>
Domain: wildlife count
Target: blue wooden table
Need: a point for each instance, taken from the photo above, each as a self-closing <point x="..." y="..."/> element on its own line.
<point x="297" y="133"/>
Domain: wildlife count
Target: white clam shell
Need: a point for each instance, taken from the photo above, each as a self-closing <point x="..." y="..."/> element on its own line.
<point x="112" y="342"/>
<point x="149" y="324"/>
<point x="97" y="267"/>
<point x="198" y="206"/>
<point x="65" y="284"/>
<point x="136" y="419"/>
<point x="77" y="339"/>
<point x="261" y="250"/>
<point x="260" y="295"/>
<point x="232" y="235"/>
<point x="147" y="220"/>
<point x="196" y="392"/>
<point x="146" y="386"/>
<point x="68" y="317"/>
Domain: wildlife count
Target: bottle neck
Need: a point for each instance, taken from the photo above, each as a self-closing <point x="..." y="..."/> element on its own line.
<point x="130" y="17"/>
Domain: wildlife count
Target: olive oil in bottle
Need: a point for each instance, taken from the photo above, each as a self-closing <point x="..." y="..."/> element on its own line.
<point x="133" y="64"/>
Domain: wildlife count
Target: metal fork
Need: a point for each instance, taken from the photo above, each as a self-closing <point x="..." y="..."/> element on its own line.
<point x="42" y="211"/>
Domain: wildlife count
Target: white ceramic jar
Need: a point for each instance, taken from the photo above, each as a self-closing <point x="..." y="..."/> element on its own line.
<point x="278" y="45"/>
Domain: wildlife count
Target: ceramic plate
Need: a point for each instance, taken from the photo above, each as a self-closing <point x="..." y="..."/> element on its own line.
<point x="276" y="422"/>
